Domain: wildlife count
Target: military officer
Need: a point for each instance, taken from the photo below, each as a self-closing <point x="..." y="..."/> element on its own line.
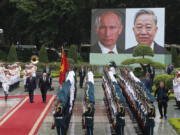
<point x="59" y="118"/>
<point x="89" y="118"/>
<point x="120" y="120"/>
<point x="6" y="83"/>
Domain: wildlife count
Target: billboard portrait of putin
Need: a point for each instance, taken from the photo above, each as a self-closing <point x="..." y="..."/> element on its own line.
<point x="145" y="30"/>
<point x="107" y="27"/>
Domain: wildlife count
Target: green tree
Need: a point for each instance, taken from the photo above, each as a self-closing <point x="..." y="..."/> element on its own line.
<point x="73" y="53"/>
<point x="142" y="51"/>
<point x="43" y="56"/>
<point x="12" y="55"/>
<point x="174" y="55"/>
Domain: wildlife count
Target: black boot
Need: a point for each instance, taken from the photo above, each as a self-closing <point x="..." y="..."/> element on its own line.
<point x="6" y="96"/>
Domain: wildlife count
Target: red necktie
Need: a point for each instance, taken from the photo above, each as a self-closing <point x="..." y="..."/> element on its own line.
<point x="110" y="52"/>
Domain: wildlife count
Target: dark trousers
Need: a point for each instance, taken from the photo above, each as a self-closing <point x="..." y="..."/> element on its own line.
<point x="152" y="78"/>
<point x="150" y="130"/>
<point x="162" y="104"/>
<point x="89" y="130"/>
<point x="5" y="95"/>
<point x="31" y="95"/>
<point x="60" y="130"/>
<point x="120" y="130"/>
<point x="43" y="93"/>
<point x="81" y="81"/>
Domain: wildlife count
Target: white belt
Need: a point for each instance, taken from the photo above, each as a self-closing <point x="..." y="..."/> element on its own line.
<point x="89" y="117"/>
<point x="151" y="118"/>
<point x="122" y="118"/>
<point x="59" y="117"/>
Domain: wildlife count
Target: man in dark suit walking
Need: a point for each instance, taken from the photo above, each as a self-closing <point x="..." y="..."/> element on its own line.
<point x="162" y="98"/>
<point x="47" y="70"/>
<point x="148" y="82"/>
<point x="82" y="74"/>
<point x="151" y="71"/>
<point x="44" y="85"/>
<point x="31" y="85"/>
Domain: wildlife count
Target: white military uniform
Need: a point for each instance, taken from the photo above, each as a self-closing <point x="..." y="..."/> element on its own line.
<point x="176" y="87"/>
<point x="134" y="77"/>
<point x="90" y="77"/>
<point x="112" y="69"/>
<point x="6" y="83"/>
<point x="70" y="77"/>
<point x="33" y="70"/>
<point x="111" y="75"/>
<point x="2" y="68"/>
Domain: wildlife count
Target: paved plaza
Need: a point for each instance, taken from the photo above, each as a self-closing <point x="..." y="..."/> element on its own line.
<point x="101" y="122"/>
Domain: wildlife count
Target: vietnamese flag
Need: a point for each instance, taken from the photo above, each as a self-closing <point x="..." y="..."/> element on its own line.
<point x="63" y="67"/>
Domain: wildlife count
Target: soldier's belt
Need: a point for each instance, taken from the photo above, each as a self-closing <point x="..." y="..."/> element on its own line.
<point x="150" y="117"/>
<point x="89" y="117"/>
<point x="122" y="118"/>
<point x="59" y="118"/>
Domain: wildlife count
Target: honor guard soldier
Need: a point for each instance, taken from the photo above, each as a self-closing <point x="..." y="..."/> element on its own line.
<point x="150" y="118"/>
<point x="120" y="120"/>
<point x="2" y="68"/>
<point x="59" y="118"/>
<point x="89" y="118"/>
<point x="6" y="83"/>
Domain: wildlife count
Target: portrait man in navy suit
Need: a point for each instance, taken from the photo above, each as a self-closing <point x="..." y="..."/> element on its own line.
<point x="108" y="27"/>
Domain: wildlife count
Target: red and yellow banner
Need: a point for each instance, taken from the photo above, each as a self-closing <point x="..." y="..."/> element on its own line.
<point x="63" y="67"/>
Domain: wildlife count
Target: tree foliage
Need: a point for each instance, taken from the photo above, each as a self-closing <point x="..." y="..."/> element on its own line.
<point x="73" y="53"/>
<point x="12" y="55"/>
<point x="66" y="22"/>
<point x="3" y="55"/>
<point x="43" y="56"/>
<point x="143" y="50"/>
<point x="128" y="61"/>
<point x="174" y="55"/>
<point x="166" y="78"/>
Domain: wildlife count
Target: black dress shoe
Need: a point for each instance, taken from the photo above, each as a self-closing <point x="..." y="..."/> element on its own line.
<point x="165" y="117"/>
<point x="161" y="117"/>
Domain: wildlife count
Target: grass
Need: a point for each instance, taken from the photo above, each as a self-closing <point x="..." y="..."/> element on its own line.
<point x="175" y="123"/>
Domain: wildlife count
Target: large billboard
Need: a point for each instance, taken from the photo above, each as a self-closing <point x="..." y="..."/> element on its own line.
<point x="116" y="31"/>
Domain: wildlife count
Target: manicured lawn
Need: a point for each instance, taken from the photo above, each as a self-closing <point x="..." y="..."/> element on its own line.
<point x="175" y="123"/>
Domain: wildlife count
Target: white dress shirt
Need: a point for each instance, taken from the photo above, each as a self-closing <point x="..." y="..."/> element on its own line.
<point x="152" y="46"/>
<point x="106" y="50"/>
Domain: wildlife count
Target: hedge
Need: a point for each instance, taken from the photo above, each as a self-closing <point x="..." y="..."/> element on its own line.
<point x="173" y="72"/>
<point x="175" y="123"/>
<point x="168" y="80"/>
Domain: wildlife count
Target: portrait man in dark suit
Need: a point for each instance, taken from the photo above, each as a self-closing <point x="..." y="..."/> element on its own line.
<point x="44" y="85"/>
<point x="31" y="85"/>
<point x="145" y="29"/>
<point x="108" y="27"/>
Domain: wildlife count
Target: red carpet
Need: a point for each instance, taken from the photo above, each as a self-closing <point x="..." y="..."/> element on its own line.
<point x="25" y="118"/>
